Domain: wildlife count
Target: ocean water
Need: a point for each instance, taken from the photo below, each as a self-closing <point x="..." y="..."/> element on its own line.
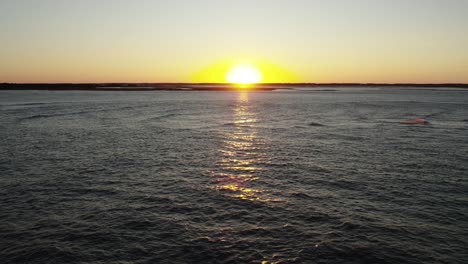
<point x="303" y="176"/>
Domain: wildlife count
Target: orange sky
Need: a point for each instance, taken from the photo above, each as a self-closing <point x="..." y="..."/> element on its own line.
<point x="420" y="41"/>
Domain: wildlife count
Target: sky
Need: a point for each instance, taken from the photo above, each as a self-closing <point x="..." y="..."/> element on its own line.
<point x="392" y="41"/>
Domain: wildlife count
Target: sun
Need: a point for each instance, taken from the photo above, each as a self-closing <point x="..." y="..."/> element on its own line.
<point x="243" y="74"/>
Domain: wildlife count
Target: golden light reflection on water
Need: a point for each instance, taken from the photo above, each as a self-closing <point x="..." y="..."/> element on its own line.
<point x="240" y="154"/>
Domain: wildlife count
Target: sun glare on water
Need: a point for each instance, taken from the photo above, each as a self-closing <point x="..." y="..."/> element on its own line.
<point x="244" y="75"/>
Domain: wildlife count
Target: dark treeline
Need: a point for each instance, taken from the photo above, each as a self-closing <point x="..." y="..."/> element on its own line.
<point x="204" y="86"/>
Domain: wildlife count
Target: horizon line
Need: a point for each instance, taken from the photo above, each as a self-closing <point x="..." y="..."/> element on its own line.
<point x="224" y="83"/>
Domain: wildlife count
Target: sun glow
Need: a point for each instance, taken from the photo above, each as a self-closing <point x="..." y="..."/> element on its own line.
<point x="243" y="74"/>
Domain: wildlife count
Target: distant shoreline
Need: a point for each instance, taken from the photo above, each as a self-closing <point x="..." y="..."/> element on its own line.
<point x="208" y="86"/>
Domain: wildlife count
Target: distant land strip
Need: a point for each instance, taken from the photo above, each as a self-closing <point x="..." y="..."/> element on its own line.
<point x="206" y="86"/>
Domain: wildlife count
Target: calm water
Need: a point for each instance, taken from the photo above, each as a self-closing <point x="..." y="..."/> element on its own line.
<point x="231" y="177"/>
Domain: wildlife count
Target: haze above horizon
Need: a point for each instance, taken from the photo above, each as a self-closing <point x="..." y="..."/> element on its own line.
<point x="362" y="41"/>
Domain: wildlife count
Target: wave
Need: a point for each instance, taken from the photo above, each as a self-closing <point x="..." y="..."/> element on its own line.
<point x="315" y="124"/>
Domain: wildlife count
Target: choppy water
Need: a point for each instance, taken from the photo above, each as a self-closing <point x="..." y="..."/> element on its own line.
<point x="232" y="177"/>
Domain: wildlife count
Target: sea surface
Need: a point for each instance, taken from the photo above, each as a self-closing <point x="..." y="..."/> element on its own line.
<point x="299" y="176"/>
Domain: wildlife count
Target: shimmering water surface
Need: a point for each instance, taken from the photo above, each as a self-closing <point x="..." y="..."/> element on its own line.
<point x="234" y="177"/>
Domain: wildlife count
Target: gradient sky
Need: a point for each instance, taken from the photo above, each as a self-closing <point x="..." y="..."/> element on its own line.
<point x="191" y="40"/>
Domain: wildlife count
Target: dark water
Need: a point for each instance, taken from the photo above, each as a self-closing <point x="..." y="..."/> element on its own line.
<point x="231" y="177"/>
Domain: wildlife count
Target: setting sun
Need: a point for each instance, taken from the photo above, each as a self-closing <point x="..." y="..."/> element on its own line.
<point x="243" y="74"/>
